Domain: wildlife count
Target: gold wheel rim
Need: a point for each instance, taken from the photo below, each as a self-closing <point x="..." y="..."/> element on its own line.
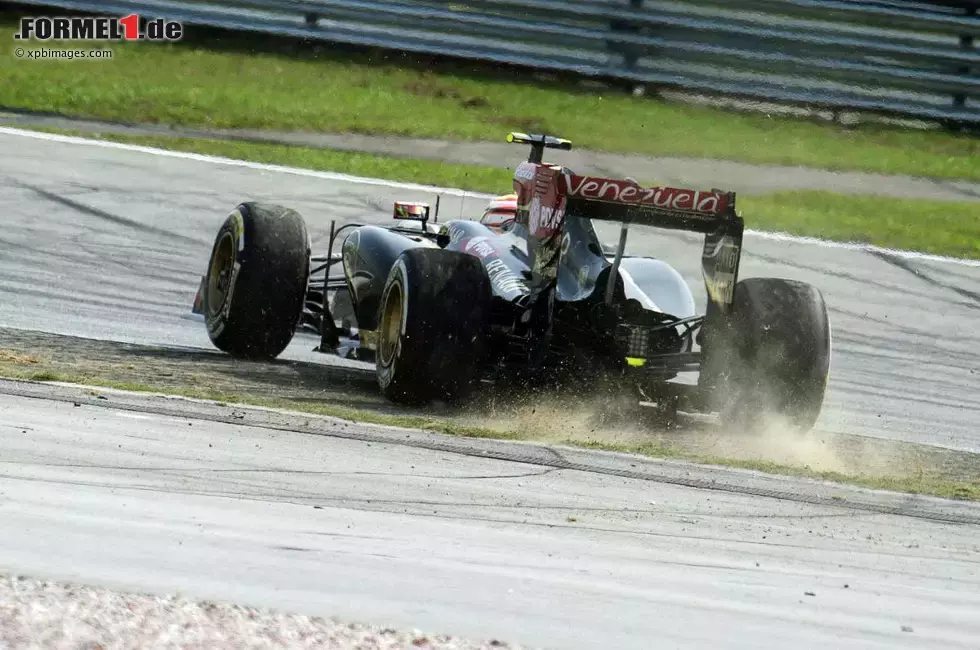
<point x="219" y="278"/>
<point x="391" y="321"/>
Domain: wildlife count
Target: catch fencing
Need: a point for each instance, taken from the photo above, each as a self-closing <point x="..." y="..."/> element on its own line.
<point x="908" y="58"/>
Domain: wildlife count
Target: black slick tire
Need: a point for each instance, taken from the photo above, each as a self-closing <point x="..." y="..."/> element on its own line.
<point x="255" y="287"/>
<point x="775" y="355"/>
<point x="432" y="325"/>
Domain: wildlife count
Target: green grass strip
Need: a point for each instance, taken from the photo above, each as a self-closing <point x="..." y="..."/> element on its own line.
<point x="249" y="81"/>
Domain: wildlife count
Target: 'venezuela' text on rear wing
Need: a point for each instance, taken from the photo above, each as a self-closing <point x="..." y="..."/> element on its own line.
<point x="608" y="199"/>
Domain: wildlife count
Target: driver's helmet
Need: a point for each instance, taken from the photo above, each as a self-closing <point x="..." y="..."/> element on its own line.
<point x="500" y="212"/>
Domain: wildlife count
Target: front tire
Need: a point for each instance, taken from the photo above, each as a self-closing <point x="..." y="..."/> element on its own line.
<point x="773" y="355"/>
<point x="432" y="325"/>
<point x="255" y="287"/>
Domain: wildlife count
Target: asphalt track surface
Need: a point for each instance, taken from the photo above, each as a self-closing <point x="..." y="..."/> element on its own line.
<point x="464" y="537"/>
<point x="109" y="242"/>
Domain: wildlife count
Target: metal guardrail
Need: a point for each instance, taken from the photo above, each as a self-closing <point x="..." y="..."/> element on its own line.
<point x="901" y="57"/>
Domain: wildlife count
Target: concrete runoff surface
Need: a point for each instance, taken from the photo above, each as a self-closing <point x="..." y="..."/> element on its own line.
<point x="399" y="528"/>
<point x="109" y="242"/>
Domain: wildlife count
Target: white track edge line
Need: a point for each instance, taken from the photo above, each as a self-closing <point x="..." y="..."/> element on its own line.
<point x="169" y="153"/>
<point x="865" y="248"/>
<point x="336" y="176"/>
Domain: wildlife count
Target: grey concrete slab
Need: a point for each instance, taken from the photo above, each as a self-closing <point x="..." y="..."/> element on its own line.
<point x="448" y="542"/>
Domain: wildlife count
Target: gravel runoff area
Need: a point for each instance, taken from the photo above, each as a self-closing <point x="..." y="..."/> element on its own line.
<point x="41" y="614"/>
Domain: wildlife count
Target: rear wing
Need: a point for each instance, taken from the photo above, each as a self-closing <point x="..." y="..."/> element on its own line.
<point x="607" y="199"/>
<point x="709" y="212"/>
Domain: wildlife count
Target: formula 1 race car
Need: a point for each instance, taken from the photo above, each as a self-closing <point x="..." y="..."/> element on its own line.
<point x="528" y="293"/>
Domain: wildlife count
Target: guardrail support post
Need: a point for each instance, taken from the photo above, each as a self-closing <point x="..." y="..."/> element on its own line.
<point x="966" y="43"/>
<point x="629" y="52"/>
<point x="311" y="19"/>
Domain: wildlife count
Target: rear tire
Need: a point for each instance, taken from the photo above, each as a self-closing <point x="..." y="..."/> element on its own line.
<point x="432" y="326"/>
<point x="255" y="288"/>
<point x="773" y="357"/>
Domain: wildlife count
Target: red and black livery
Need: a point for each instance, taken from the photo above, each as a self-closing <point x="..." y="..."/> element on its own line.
<point x="529" y="293"/>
